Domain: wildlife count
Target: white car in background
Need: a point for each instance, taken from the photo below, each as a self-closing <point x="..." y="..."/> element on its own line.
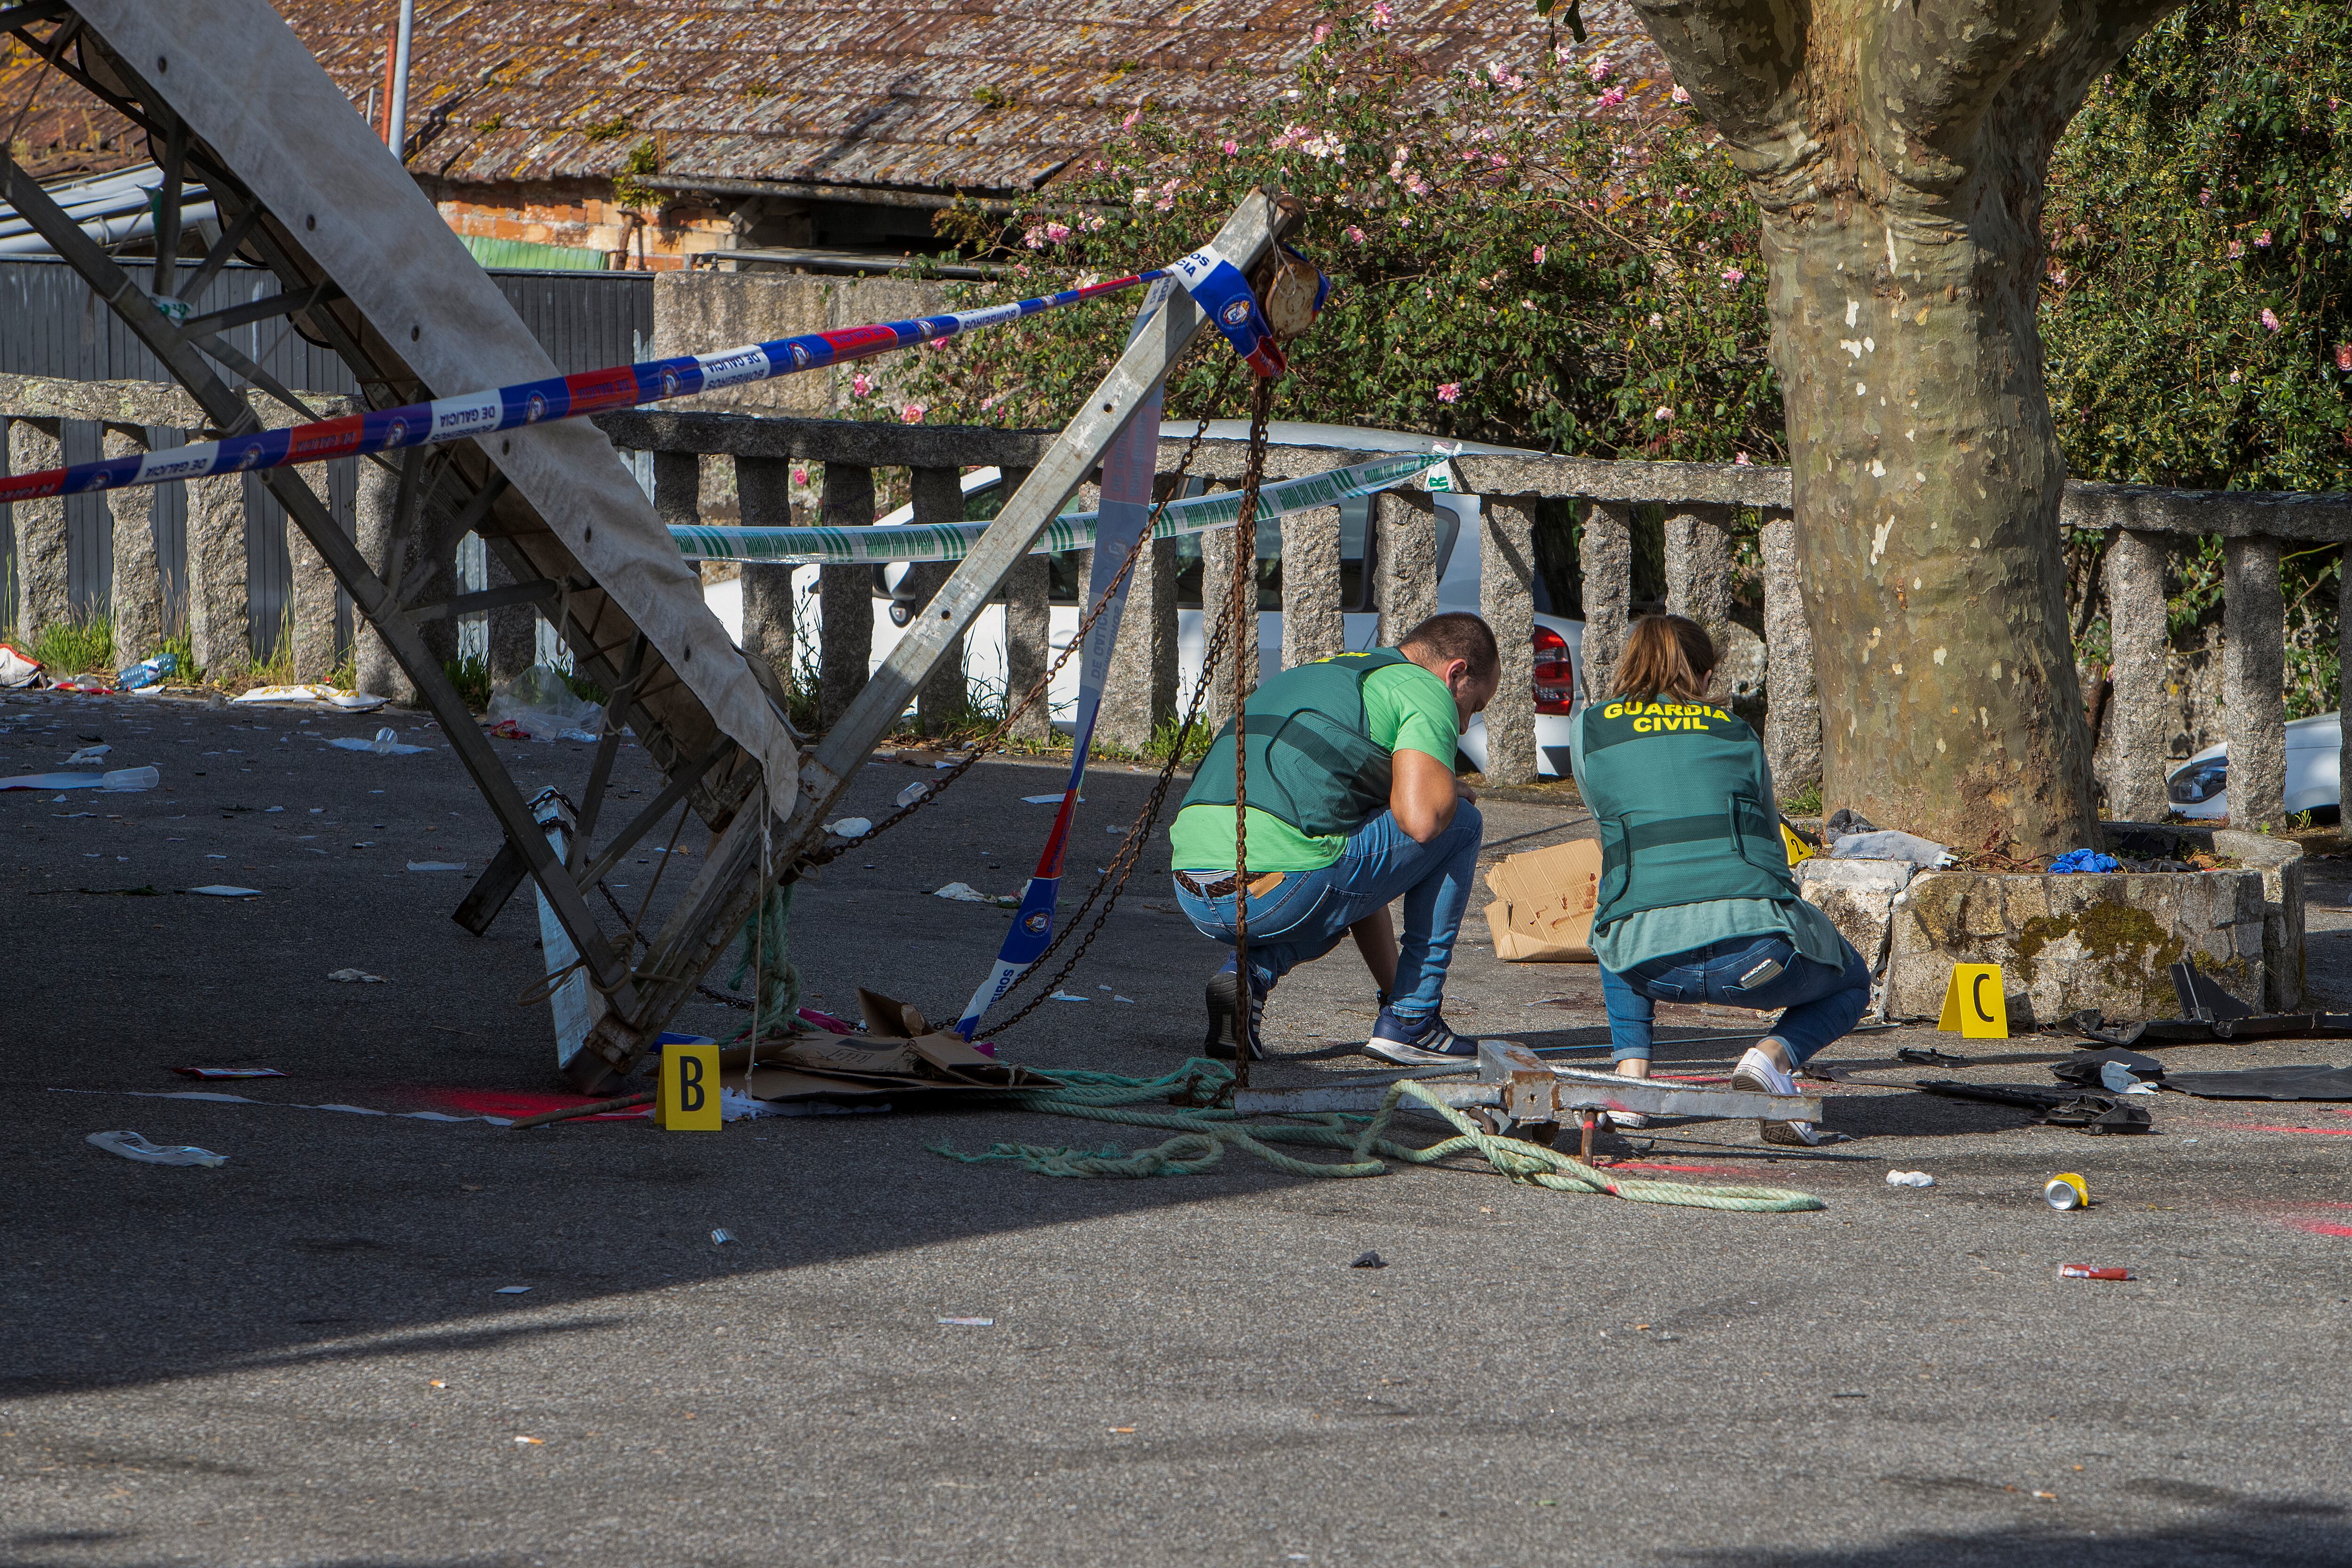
<point x="1558" y="679"/>
<point x="2199" y="787"/>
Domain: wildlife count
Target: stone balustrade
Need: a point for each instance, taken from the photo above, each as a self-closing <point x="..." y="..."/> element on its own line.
<point x="1684" y="519"/>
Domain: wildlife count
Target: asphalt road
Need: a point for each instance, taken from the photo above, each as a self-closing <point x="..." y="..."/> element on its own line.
<point x="302" y="1358"/>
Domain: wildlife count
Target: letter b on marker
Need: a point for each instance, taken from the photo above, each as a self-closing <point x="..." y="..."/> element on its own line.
<point x="689" y="1089"/>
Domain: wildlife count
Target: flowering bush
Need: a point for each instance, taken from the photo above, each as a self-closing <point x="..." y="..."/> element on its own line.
<point x="1517" y="254"/>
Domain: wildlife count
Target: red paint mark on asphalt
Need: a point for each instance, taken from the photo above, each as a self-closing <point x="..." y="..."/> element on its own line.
<point x="2321" y="1228"/>
<point x="515" y="1105"/>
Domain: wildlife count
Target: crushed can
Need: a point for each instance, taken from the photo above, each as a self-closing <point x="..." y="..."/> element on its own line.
<point x="2066" y="1191"/>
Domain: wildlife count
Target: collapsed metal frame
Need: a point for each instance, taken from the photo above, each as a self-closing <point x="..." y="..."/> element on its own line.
<point x="441" y="494"/>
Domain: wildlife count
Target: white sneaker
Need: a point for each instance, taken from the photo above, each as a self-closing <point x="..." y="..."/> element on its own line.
<point x="1624" y="1120"/>
<point x="1758" y="1074"/>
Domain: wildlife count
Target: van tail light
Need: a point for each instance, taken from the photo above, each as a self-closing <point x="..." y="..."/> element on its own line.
<point x="1555" y="676"/>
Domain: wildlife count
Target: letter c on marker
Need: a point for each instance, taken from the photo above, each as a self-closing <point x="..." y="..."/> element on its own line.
<point x="1976" y="996"/>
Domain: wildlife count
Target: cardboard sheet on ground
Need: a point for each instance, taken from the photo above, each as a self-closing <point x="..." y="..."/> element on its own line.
<point x="1543" y="904"/>
<point x="900" y="1059"/>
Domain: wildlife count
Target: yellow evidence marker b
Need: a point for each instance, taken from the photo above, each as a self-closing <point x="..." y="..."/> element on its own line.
<point x="1973" y="1003"/>
<point x="689" y="1102"/>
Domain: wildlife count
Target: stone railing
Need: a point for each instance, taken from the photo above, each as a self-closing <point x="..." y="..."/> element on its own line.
<point x="694" y="455"/>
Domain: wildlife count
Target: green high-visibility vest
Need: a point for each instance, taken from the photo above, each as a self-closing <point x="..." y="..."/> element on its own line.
<point x="1312" y="763"/>
<point x="1679" y="790"/>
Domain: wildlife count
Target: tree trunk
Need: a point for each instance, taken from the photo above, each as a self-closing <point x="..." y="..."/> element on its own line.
<point x="1897" y="152"/>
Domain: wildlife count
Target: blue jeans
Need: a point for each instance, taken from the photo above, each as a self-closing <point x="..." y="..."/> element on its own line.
<point x="1307" y="915"/>
<point x="1823" y="1002"/>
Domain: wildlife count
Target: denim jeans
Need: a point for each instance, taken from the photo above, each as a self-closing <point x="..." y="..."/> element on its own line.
<point x="1309" y="913"/>
<point x="1822" y="1001"/>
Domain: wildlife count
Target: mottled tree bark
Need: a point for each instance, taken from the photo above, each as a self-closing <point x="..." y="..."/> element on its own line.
<point x="1898" y="154"/>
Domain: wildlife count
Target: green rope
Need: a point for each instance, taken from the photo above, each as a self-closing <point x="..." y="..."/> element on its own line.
<point x="1204" y="1134"/>
<point x="780" y="983"/>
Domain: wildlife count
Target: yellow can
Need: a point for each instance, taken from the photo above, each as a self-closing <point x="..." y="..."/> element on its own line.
<point x="2066" y="1191"/>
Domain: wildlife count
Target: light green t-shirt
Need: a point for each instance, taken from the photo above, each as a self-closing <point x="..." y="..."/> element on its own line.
<point x="1406" y="709"/>
<point x="1678" y="928"/>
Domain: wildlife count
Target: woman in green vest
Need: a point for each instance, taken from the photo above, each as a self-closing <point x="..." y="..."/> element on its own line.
<point x="1696" y="903"/>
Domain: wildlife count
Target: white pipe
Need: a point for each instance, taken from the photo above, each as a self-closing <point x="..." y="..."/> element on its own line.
<point x="117" y="229"/>
<point x="396" y="123"/>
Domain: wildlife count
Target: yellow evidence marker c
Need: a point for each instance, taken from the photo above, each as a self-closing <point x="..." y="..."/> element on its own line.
<point x="689" y="1102"/>
<point x="1974" y="1005"/>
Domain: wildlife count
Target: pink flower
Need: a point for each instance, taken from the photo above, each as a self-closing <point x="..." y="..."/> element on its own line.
<point x="1449" y="392"/>
<point x="1384" y="16"/>
<point x="913" y="413"/>
<point x="2236" y="249"/>
<point x="2233" y="378"/>
<point x="1416" y="184"/>
<point x="1656" y="320"/>
<point x="2205" y="198"/>
<point x="861" y="386"/>
<point x="1665" y="411"/>
<point x="1598" y="70"/>
<point x="1229" y="147"/>
<point x="1354" y="236"/>
<point x="1681" y="93"/>
<point x="1734" y="277"/>
<point x="1132" y="116"/>
<point x="2263" y="240"/>
<point x="800" y="476"/>
<point x="1539" y="256"/>
<point x="1322" y="31"/>
<point x="2344" y="356"/>
<point x="1741" y="461"/>
<point x="1611" y="99"/>
<point x="2270" y="318"/>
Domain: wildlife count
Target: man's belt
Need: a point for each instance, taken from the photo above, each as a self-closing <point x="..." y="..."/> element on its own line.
<point x="1258" y="888"/>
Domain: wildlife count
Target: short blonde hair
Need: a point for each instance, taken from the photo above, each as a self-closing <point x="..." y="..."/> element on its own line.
<point x="1665" y="656"/>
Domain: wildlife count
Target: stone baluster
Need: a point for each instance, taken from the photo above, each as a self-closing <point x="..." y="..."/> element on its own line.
<point x="220" y="619"/>
<point x="2253" y="676"/>
<point x="43" y="583"/>
<point x="512" y="637"/>
<point x="376" y="495"/>
<point x="1404" y="557"/>
<point x="677" y="489"/>
<point x="844" y="596"/>
<point x="1607" y="559"/>
<point x="1312" y="624"/>
<point x="312" y="599"/>
<point x="1700" y="579"/>
<point x="1028" y="625"/>
<point x="763" y="489"/>
<point x="1506" y="557"/>
<point x="137" y="591"/>
<point x="1792" y="715"/>
<point x="940" y="702"/>
<point x="2134" y="732"/>
<point x="1139" y="685"/>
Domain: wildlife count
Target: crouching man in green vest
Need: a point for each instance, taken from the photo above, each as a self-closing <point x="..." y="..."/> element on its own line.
<point x="1352" y="803"/>
<point x="1697" y="902"/>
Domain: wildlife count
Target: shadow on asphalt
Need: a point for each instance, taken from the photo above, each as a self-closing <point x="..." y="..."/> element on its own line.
<point x="2243" y="1532"/>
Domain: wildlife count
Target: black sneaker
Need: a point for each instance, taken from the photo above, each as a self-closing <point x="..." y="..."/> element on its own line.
<point x="1423" y="1042"/>
<point x="1225" y="1028"/>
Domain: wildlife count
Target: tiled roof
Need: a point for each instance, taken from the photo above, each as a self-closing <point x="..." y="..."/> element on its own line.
<point x="986" y="96"/>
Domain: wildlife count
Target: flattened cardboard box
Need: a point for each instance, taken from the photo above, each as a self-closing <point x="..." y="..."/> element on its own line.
<point x="1544" y="901"/>
<point x="899" y="1056"/>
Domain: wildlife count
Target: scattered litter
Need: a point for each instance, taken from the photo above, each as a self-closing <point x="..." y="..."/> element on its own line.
<point x="969" y="1322"/>
<point x="349" y="701"/>
<point x="2118" y="1078"/>
<point x="538" y="705"/>
<point x="436" y="865"/>
<point x="87" y="687"/>
<point x="1113" y="827"/>
<point x="1909" y="1179"/>
<point x="220" y="890"/>
<point x="120" y="780"/>
<point x="1129" y="1000"/>
<point x="1067" y="996"/>
<point x="721" y="1237"/>
<point x="228" y="1072"/>
<point x="521" y="1441"/>
<point x="2084" y="1271"/>
<point x="1369" y="1261"/>
<point x="15" y="669"/>
<point x="2066" y="1191"/>
<point x="1886" y="843"/>
<point x="1843" y="822"/>
<point x="357" y="977"/>
<point x="269" y="810"/>
<point x="88" y="754"/>
<point x="963" y="893"/>
<point x="2095" y="1112"/>
<point x="387" y="743"/>
<point x="850" y="828"/>
<point x="511" y="1290"/>
<point x="1929" y="1057"/>
<point x="147" y="672"/>
<point x="132" y="1146"/>
<point x="1047" y="799"/>
<point x="911" y="793"/>
<point x="2076" y="860"/>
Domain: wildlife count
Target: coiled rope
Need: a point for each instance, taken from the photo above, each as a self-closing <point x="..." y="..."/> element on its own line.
<point x="1207" y="1129"/>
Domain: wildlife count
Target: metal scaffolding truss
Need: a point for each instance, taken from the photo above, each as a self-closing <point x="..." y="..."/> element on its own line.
<point x="227" y="96"/>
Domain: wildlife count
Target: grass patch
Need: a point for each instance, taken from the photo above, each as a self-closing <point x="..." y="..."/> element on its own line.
<point x="1806" y="802"/>
<point x="82" y="645"/>
<point x="471" y="677"/>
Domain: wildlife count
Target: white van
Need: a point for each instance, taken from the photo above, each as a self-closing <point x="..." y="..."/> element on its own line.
<point x="1559" y="671"/>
